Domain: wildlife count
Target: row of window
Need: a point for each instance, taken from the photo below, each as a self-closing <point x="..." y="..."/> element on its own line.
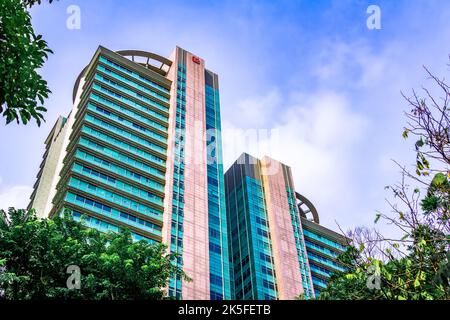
<point x="105" y="227"/>
<point x="133" y="114"/>
<point x="265" y="257"/>
<point x="262" y="233"/>
<point x="115" y="214"/>
<point x="119" y="184"/>
<point x="93" y="203"/>
<point x="97" y="174"/>
<point x="127" y="134"/>
<point x="323" y="239"/>
<point x="215" y="248"/>
<point x="119" y="170"/>
<point x="328" y="262"/>
<point x="123" y="145"/>
<point x="113" y="197"/>
<point x="215" y="295"/>
<point x="117" y="76"/>
<point x="320" y="270"/>
<point x="132" y="93"/>
<point x="260" y="220"/>
<point x="140" y="221"/>
<point x="127" y="101"/>
<point x="320" y="248"/>
<point x="132" y="73"/>
<point x="122" y="157"/>
<point x="133" y="124"/>
<point x="319" y="282"/>
<point x="215" y="279"/>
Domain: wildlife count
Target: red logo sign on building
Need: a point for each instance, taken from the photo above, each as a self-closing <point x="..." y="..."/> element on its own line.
<point x="196" y="59"/>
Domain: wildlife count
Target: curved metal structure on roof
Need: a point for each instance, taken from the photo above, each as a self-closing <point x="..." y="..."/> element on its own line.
<point x="145" y="54"/>
<point x="306" y="207"/>
<point x="132" y="55"/>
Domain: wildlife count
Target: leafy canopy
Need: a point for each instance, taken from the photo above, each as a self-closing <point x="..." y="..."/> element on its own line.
<point x="35" y="254"/>
<point x="22" y="53"/>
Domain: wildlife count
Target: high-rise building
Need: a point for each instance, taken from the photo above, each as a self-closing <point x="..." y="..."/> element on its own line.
<point x="276" y="251"/>
<point x="267" y="248"/>
<point x="141" y="149"/>
<point x="323" y="245"/>
<point x="43" y="189"/>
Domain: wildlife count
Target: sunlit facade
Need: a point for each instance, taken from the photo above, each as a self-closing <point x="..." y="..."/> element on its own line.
<point x="132" y="154"/>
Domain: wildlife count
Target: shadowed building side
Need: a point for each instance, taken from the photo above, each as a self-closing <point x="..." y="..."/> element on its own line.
<point x="323" y="247"/>
<point x="268" y="255"/>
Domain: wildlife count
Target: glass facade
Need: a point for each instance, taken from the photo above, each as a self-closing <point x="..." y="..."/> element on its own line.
<point x="323" y="246"/>
<point x="114" y="169"/>
<point x="251" y="252"/>
<point x="300" y="245"/>
<point x="219" y="265"/>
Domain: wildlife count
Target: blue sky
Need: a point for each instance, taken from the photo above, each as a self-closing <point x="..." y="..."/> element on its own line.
<point x="310" y="70"/>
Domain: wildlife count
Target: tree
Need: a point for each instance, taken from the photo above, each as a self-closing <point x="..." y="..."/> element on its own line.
<point x="35" y="254"/>
<point x="30" y="3"/>
<point x="22" y="53"/>
<point x="417" y="265"/>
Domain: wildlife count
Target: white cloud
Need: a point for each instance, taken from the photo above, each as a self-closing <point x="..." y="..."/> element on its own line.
<point x="17" y="196"/>
<point x="314" y="135"/>
<point x="254" y="111"/>
<point x="355" y="63"/>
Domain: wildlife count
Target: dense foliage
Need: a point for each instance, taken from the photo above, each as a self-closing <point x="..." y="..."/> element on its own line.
<point x="22" y="53"/>
<point x="35" y="254"/>
<point x="417" y="265"/>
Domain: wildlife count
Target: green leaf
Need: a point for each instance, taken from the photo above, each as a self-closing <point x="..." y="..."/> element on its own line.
<point x="405" y="133"/>
<point x="419" y="165"/>
<point x="419" y="143"/>
<point x="377" y="217"/>
<point x="439" y="179"/>
<point x="22" y="53"/>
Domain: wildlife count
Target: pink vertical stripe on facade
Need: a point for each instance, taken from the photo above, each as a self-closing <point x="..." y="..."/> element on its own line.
<point x="195" y="223"/>
<point x="287" y="268"/>
<point x="303" y="237"/>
